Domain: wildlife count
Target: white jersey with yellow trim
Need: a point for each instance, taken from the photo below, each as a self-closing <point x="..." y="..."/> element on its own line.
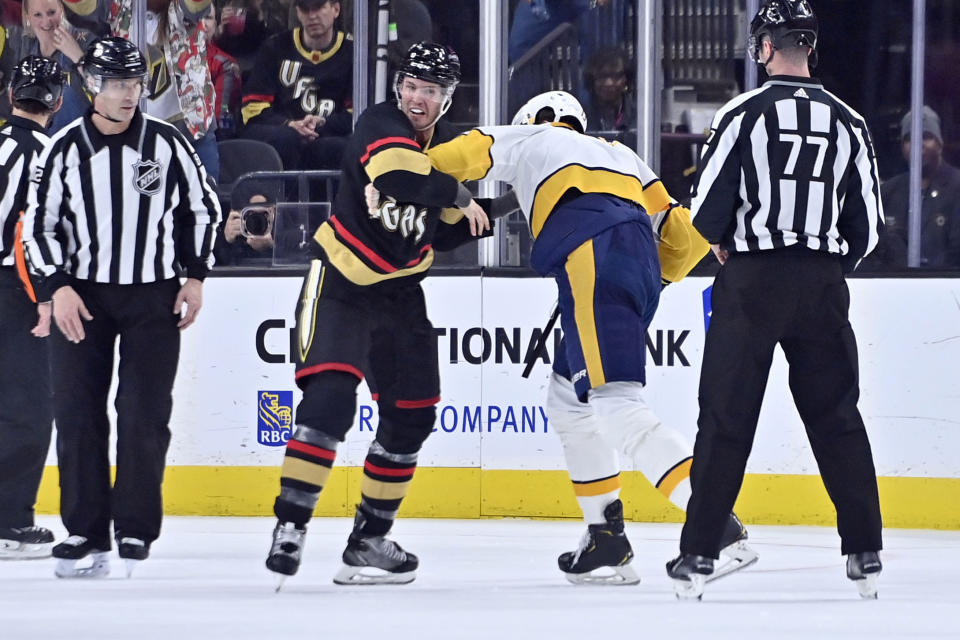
<point x="545" y="163"/>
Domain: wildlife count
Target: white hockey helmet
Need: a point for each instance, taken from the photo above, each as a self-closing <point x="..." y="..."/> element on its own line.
<point x="562" y="104"/>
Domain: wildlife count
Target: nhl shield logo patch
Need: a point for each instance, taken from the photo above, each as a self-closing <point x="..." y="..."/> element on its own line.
<point x="147" y="176"/>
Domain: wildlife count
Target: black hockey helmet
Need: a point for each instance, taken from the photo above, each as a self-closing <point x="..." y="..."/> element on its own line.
<point x="112" y="57"/>
<point x="38" y="79"/>
<point x="431" y="62"/>
<point x="789" y="23"/>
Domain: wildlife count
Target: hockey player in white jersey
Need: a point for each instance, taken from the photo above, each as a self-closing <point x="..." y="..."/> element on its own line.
<point x="607" y="231"/>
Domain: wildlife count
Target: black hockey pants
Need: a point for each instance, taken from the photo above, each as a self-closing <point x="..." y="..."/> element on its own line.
<point x="141" y="315"/>
<point x="26" y="411"/>
<point x="796" y="298"/>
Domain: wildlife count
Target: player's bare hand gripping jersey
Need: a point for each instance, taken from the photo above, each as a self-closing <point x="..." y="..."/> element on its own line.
<point x="547" y="164"/>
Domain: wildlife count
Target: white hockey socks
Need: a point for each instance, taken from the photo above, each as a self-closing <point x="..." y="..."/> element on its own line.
<point x="662" y="454"/>
<point x="591" y="461"/>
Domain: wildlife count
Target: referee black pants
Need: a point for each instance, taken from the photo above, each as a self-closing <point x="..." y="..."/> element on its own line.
<point x="26" y="411"/>
<point x="796" y="298"/>
<point x="141" y="315"/>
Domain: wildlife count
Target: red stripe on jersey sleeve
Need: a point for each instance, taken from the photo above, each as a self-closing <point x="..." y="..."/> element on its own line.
<point x="373" y="146"/>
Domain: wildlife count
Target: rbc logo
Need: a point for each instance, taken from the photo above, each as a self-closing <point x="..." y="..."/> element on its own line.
<point x="274" y="417"/>
<point x="707" y="307"/>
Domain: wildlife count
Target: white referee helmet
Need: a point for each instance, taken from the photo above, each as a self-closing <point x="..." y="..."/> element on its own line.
<point x="562" y="104"/>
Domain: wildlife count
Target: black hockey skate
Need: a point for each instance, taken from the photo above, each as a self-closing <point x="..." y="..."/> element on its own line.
<point x="734" y="551"/>
<point x="605" y="550"/>
<point x="286" y="550"/>
<point x="374" y="559"/>
<point x="864" y="569"/>
<point x="75" y="548"/>
<point x="689" y="573"/>
<point x="25" y="543"/>
<point x="133" y="551"/>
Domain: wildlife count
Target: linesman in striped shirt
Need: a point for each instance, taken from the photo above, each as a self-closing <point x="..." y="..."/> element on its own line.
<point x="118" y="211"/>
<point x="789" y="198"/>
<point x="26" y="414"/>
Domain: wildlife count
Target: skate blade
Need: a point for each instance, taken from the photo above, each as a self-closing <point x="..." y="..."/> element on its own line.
<point x="11" y="550"/>
<point x="867" y="586"/>
<point x="621" y="576"/>
<point x="130" y="565"/>
<point x="689" y="589"/>
<point x="99" y="567"/>
<point x="348" y="575"/>
<point x="739" y="556"/>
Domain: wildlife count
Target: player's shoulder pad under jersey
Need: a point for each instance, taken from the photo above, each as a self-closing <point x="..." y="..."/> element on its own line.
<point x="383" y="120"/>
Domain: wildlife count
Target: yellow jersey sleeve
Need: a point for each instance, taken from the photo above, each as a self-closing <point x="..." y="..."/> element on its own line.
<point x="680" y="245"/>
<point x="467" y="157"/>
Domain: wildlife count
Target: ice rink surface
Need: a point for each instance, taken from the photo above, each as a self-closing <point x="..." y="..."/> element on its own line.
<point x="490" y="579"/>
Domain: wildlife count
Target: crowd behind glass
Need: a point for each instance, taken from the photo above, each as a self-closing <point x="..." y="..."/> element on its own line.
<point x="585" y="46"/>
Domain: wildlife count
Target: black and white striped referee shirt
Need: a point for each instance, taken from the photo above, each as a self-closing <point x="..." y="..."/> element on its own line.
<point x="789" y="163"/>
<point x="21" y="143"/>
<point x="123" y="209"/>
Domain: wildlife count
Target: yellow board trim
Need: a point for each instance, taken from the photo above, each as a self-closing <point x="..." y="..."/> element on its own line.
<point x="677" y="475"/>
<point x="453" y="492"/>
<point x="597" y="488"/>
<point x="581" y="272"/>
<point x="397" y="159"/>
<point x="354" y="269"/>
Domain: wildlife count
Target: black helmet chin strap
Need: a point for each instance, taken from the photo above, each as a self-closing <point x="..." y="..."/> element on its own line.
<point x="106" y="117"/>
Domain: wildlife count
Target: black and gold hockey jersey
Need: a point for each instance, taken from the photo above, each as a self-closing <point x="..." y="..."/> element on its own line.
<point x="397" y="242"/>
<point x="290" y="81"/>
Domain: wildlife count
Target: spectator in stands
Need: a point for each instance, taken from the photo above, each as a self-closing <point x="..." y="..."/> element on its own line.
<point x="237" y="244"/>
<point x="246" y="24"/>
<point x="184" y="95"/>
<point x="607" y="81"/>
<point x="225" y="75"/>
<point x="533" y="19"/>
<point x="299" y="95"/>
<point x="10" y="12"/>
<point x="940" y="217"/>
<point x="46" y="32"/>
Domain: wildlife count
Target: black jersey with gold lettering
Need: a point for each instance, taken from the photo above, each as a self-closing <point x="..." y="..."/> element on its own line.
<point x="290" y="81"/>
<point x="396" y="243"/>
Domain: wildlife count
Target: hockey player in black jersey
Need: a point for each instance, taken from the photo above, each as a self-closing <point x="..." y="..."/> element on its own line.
<point x="298" y="98"/>
<point x="362" y="316"/>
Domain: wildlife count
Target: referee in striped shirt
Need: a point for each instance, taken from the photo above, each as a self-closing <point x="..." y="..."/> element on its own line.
<point x="789" y="198"/>
<point x="26" y="413"/>
<point x="119" y="210"/>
